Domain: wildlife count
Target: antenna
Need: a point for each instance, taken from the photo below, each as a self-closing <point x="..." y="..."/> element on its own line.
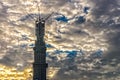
<point x="37" y="4"/>
<point x="48" y="16"/>
<point x="31" y="17"/>
<point x="38" y="11"/>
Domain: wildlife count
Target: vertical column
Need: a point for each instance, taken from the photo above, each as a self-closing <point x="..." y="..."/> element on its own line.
<point x="39" y="65"/>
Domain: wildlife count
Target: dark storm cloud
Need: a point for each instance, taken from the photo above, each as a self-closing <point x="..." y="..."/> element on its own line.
<point x="104" y="7"/>
<point x="109" y="8"/>
<point x="114" y="49"/>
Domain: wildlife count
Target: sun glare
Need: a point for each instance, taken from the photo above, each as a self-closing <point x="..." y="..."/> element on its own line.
<point x="11" y="73"/>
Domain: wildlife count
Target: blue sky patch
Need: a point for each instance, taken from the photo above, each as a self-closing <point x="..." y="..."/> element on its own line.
<point x="62" y="19"/>
<point x="85" y="10"/>
<point x="49" y="46"/>
<point x="80" y="20"/>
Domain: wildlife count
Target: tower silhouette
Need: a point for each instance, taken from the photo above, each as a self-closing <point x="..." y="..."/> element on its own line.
<point x="40" y="65"/>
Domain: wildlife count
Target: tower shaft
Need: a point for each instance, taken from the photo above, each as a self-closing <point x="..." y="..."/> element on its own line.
<point x="39" y="65"/>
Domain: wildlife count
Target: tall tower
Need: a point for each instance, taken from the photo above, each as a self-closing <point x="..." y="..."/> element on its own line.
<point x="39" y="65"/>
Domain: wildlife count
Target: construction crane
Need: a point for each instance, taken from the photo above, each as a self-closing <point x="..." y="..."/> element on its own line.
<point x="40" y="65"/>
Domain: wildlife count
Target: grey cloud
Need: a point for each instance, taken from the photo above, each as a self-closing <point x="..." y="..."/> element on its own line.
<point x="103" y="7"/>
<point x="114" y="41"/>
<point x="99" y="33"/>
<point x="14" y="57"/>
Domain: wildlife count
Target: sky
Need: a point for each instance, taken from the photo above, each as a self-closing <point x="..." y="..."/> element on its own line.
<point x="82" y="36"/>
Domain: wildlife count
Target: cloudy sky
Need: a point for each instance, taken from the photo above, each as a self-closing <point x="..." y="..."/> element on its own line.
<point x="82" y="36"/>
